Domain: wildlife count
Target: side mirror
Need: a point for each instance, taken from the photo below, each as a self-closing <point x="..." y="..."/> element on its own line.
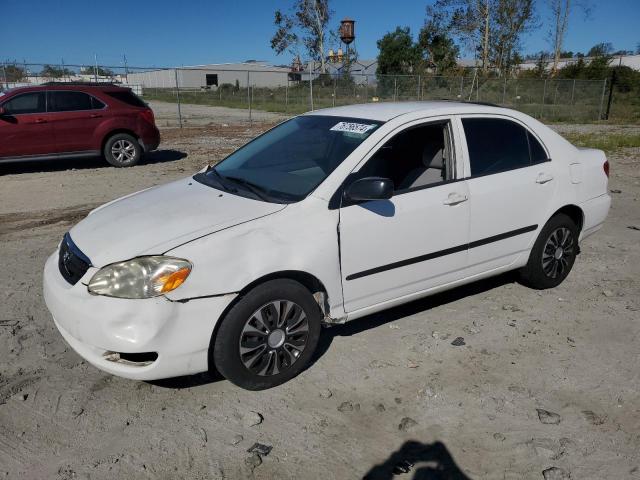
<point x="370" y="188"/>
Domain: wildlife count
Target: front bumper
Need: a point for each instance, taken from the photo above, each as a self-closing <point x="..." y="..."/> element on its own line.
<point x="179" y="332"/>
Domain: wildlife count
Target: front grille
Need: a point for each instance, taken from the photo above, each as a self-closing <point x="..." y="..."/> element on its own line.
<point x="73" y="264"/>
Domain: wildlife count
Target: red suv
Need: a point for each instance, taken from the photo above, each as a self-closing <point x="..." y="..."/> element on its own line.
<point x="58" y="120"/>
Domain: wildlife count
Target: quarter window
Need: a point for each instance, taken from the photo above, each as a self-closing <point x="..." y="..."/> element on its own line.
<point x="538" y="154"/>
<point x="496" y="145"/>
<point x="69" y="101"/>
<point x="26" y="103"/>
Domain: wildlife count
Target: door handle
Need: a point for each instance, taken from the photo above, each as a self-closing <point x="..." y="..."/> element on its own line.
<point x="40" y="120"/>
<point x="455" y="199"/>
<point x="544" y="178"/>
<point x="95" y="115"/>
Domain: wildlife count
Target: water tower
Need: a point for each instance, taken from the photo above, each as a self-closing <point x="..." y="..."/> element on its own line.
<point x="347" y="32"/>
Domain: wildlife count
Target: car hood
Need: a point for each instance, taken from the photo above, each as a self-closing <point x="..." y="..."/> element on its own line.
<point x="158" y="219"/>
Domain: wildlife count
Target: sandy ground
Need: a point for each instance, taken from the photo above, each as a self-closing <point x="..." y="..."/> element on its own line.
<point x="469" y="411"/>
<point x="198" y="115"/>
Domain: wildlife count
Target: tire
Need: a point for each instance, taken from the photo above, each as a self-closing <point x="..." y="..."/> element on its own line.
<point x="122" y="150"/>
<point x="553" y="254"/>
<point x="256" y="344"/>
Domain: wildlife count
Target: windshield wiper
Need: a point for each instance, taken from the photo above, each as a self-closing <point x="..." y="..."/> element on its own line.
<point x="220" y="179"/>
<point x="257" y="190"/>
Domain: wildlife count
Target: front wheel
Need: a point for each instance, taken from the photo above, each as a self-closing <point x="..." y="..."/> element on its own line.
<point x="553" y="254"/>
<point x="122" y="150"/>
<point x="269" y="336"/>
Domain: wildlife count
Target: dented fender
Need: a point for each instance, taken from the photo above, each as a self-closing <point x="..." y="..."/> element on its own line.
<point x="302" y="237"/>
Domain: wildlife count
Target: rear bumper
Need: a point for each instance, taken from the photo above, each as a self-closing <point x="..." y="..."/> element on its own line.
<point x="93" y="325"/>
<point x="595" y="212"/>
<point x="150" y="140"/>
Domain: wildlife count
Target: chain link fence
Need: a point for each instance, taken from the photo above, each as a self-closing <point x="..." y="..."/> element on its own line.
<point x="196" y="96"/>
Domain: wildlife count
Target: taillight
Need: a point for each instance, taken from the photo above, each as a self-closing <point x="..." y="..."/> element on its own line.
<point x="147" y="115"/>
<point x="605" y="166"/>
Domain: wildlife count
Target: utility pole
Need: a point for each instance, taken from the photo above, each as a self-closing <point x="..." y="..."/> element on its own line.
<point x="95" y="71"/>
<point x="126" y="70"/>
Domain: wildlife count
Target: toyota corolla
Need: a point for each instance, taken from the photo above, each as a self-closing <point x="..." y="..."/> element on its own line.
<point x="328" y="217"/>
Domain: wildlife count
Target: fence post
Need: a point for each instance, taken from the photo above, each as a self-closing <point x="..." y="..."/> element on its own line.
<point x="544" y="94"/>
<point x="611" y="85"/>
<point x="573" y="90"/>
<point x="286" y="96"/>
<point x="604" y="88"/>
<point x="4" y="74"/>
<point x="249" y="94"/>
<point x="419" y="88"/>
<point x="366" y="88"/>
<point x="461" y="86"/>
<point x="395" y="87"/>
<point x="175" y="72"/>
<point x="504" y="91"/>
<point x="311" y="88"/>
<point x="335" y="81"/>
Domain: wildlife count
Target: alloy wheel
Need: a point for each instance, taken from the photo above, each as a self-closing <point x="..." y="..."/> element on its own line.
<point x="274" y="337"/>
<point x="557" y="252"/>
<point x="123" y="151"/>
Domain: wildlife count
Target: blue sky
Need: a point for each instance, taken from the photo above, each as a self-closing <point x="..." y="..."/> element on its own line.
<point x="167" y="33"/>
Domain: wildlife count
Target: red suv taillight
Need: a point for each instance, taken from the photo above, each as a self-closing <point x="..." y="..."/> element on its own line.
<point x="147" y="115"/>
<point x="605" y="166"/>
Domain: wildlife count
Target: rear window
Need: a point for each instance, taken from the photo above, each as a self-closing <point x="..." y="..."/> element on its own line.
<point x="70" y="101"/>
<point x="129" y="98"/>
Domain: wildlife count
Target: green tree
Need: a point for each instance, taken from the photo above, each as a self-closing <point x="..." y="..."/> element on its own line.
<point x="306" y="25"/>
<point x="397" y="53"/>
<point x="51" y="71"/>
<point x="102" y="71"/>
<point x="12" y="72"/>
<point x="436" y="45"/>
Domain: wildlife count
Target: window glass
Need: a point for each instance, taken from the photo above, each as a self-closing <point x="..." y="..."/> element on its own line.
<point x="413" y="158"/>
<point x="537" y="152"/>
<point x="212" y="79"/>
<point x="288" y="162"/>
<point x="69" y="101"/>
<point x="495" y="145"/>
<point x="96" y="104"/>
<point x="26" y="103"/>
<point x="127" y="97"/>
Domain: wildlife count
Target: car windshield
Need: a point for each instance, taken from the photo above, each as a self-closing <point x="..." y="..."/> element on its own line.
<point x="288" y="162"/>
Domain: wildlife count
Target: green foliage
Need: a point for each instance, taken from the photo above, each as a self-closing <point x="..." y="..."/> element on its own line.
<point x="436" y="45"/>
<point x="102" y="71"/>
<point x="51" y="71"/>
<point x="609" y="142"/>
<point x="398" y="54"/>
<point x="12" y="72"/>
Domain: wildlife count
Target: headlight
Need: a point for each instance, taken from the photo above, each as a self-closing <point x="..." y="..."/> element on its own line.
<point x="141" y="277"/>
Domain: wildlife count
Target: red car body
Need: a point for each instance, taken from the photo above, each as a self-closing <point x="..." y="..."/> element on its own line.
<point x="71" y="120"/>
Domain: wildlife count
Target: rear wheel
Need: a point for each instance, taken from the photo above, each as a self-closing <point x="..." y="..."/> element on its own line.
<point x="269" y="336"/>
<point x="553" y="253"/>
<point x="122" y="150"/>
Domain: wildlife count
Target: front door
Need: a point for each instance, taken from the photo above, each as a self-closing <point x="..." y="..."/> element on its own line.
<point x="418" y="239"/>
<point x="25" y="126"/>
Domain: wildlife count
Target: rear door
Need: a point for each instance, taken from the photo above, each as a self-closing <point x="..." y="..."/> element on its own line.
<point x="25" y="128"/>
<point x="75" y="118"/>
<point x="511" y="187"/>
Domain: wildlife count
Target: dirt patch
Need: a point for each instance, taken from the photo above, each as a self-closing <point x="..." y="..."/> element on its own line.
<point x="394" y="392"/>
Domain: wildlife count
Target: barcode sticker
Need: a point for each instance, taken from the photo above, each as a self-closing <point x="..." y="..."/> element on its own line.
<point x="359" y="128"/>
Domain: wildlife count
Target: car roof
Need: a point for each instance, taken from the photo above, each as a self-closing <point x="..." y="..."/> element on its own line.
<point x="385" y="111"/>
<point x="66" y="86"/>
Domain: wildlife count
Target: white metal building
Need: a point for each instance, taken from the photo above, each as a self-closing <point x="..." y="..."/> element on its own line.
<point x="254" y="73"/>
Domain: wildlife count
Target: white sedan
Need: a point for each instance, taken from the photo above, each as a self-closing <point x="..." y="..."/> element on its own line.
<point x="327" y="217"/>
